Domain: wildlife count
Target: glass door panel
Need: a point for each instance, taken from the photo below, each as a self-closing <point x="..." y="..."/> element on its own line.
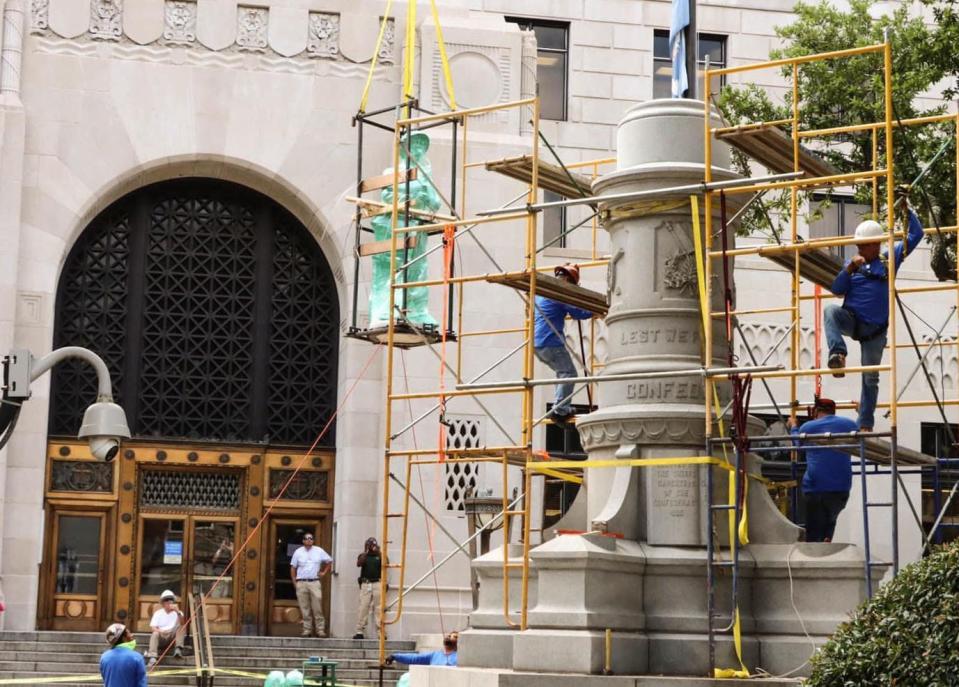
<point x="285" y="537"/>
<point x="212" y="546"/>
<point x="161" y="560"/>
<point x="78" y="573"/>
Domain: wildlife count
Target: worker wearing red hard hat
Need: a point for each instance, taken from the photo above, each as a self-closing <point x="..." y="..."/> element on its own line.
<point x="549" y="343"/>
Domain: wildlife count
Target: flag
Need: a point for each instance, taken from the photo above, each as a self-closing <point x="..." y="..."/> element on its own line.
<point x="677" y="46"/>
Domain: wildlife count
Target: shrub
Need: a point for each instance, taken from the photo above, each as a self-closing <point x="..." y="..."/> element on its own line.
<point x="907" y="635"/>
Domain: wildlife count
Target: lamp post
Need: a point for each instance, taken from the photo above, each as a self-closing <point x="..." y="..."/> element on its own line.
<point x="481" y="509"/>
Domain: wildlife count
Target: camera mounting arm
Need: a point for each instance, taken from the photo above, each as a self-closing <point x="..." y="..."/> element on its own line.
<point x="104" y="422"/>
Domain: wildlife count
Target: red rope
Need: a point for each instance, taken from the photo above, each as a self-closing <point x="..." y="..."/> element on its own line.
<point x="276" y="499"/>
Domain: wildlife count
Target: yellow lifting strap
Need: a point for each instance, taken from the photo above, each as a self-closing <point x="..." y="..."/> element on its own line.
<point x="742" y="672"/>
<point x="410" y="54"/>
<point x="447" y="74"/>
<point x="376" y="54"/>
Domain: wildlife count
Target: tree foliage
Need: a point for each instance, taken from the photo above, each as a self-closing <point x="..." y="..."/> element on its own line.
<point x="849" y="91"/>
<point x="907" y="634"/>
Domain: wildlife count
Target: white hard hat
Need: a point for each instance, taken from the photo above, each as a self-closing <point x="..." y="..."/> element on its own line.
<point x="167" y="594"/>
<point x="870" y="229"/>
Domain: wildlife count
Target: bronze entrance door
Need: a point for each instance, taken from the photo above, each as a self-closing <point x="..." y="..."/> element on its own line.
<point x="77" y="569"/>
<point x="187" y="553"/>
<point x="286" y="534"/>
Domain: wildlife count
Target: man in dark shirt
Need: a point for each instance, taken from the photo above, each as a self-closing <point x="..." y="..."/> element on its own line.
<point x="370" y="563"/>
<point x="121" y="665"/>
<point x="828" y="478"/>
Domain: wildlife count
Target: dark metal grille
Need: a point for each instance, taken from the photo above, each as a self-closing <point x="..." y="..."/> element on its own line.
<point x="215" y="311"/>
<point x="92" y="313"/>
<point x="190" y="490"/>
<point x="81" y="475"/>
<point x="307" y="485"/>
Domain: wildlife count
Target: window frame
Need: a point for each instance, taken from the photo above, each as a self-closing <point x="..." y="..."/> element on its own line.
<point x="722" y="39"/>
<point x="530" y="24"/>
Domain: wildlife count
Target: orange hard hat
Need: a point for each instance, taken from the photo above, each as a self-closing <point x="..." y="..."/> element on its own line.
<point x="569" y="269"/>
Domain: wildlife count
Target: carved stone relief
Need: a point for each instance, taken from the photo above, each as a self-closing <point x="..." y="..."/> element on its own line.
<point x="324" y="35"/>
<point x="106" y="19"/>
<point x="388" y="46"/>
<point x="179" y="21"/>
<point x="39" y="14"/>
<point x="251" y="28"/>
<point x="760" y="337"/>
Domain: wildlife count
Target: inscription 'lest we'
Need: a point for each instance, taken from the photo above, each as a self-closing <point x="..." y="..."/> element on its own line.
<point x="643" y="336"/>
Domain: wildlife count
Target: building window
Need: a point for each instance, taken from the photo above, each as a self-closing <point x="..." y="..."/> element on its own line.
<point x="554" y="222"/>
<point x="836" y="215"/>
<point x="934" y="440"/>
<point x="712" y="45"/>
<point x="552" y="63"/>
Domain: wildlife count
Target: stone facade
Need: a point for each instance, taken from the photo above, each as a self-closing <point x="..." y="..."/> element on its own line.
<point x="100" y="98"/>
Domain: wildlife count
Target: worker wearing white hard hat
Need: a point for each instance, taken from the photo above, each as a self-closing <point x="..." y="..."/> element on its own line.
<point x="166" y="626"/>
<point x="863" y="282"/>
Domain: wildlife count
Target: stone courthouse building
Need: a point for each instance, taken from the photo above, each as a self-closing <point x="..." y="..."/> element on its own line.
<point x="173" y="182"/>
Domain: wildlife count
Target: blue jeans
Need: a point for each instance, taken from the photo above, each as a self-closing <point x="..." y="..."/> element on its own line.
<point x="838" y="322"/>
<point x="559" y="360"/>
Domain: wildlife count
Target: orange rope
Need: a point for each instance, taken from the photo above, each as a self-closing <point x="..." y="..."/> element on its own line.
<point x="449" y="243"/>
<point x="276" y="499"/>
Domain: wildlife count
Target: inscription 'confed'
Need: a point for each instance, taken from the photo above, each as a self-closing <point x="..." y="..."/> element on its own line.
<point x="665" y="391"/>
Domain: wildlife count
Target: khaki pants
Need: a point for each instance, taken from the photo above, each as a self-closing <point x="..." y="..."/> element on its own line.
<point x="309" y="595"/>
<point x="163" y="639"/>
<point x="369" y="604"/>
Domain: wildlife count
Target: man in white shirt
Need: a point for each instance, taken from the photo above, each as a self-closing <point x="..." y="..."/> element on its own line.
<point x="166" y="626"/>
<point x="308" y="566"/>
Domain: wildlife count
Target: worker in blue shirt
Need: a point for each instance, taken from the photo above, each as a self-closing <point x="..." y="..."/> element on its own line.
<point x="549" y="344"/>
<point x="121" y="665"/>
<point x="864" y="316"/>
<point x="828" y="478"/>
<point x="446" y="657"/>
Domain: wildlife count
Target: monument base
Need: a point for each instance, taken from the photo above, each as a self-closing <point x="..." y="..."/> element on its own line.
<point x="435" y="676"/>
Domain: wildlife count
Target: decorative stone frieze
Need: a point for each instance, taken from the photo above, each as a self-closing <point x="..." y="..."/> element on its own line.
<point x="179" y="21"/>
<point x="387" y="49"/>
<point x="106" y="19"/>
<point x="251" y="28"/>
<point x="39" y="15"/>
<point x="324" y="35"/>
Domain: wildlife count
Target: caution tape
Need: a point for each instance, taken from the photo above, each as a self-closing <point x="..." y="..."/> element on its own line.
<point x="95" y="677"/>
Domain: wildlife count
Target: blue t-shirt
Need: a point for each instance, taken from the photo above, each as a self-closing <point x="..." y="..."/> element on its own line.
<point x="550" y="312"/>
<point x="122" y="667"/>
<point x="866" y="290"/>
<point x="427" y="658"/>
<point x="826" y="468"/>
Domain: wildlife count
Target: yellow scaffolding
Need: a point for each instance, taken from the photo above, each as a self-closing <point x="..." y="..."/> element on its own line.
<point x="527" y="169"/>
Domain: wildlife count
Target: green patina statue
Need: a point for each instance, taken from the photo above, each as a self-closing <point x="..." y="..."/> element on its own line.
<point x="425" y="199"/>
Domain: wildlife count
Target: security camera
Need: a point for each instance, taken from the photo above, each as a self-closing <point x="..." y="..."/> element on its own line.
<point x="104" y="424"/>
<point x="104" y="448"/>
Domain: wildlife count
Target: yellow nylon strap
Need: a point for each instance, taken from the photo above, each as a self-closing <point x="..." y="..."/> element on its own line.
<point x="376" y="54"/>
<point x="700" y="265"/>
<point x="447" y="74"/>
<point x="626" y="463"/>
<point x="410" y="49"/>
<point x="561" y="475"/>
<point x="733" y="476"/>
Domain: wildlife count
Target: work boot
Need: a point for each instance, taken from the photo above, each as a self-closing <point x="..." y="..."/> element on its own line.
<point x="837" y="361"/>
<point x="358" y="635"/>
<point x="152" y="662"/>
<point x="178" y="653"/>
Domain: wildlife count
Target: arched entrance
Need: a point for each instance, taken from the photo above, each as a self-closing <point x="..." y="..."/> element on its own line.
<point x="218" y="317"/>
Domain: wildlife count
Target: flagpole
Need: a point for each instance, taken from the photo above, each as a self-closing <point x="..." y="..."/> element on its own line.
<point x="692" y="53"/>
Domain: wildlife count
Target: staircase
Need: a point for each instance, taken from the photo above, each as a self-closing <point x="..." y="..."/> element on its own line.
<point x="53" y="654"/>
